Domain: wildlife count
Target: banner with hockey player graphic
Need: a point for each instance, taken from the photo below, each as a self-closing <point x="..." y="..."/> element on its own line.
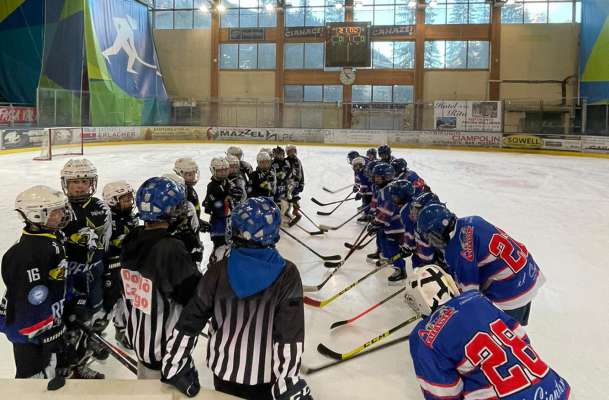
<point x="125" y="82"/>
<point x="594" y="37"/>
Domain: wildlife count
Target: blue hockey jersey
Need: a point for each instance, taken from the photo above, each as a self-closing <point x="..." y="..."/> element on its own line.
<point x="481" y="256"/>
<point x="417" y="182"/>
<point x="387" y="214"/>
<point x="423" y="253"/>
<point x="469" y="349"/>
<point x="362" y="180"/>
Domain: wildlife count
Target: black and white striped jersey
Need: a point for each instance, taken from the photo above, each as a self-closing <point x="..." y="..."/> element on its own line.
<point x="158" y="279"/>
<point x="254" y="340"/>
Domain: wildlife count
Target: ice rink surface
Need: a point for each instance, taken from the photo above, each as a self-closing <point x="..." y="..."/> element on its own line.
<point x="557" y="206"/>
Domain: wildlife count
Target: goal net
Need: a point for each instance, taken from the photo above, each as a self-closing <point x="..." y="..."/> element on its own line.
<point x="60" y="142"/>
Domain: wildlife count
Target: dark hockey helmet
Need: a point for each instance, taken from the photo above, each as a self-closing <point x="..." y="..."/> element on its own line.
<point x="351" y="156"/>
<point x="422" y="200"/>
<point x="279" y="152"/>
<point x="371" y="153"/>
<point x="400" y="165"/>
<point x="384" y="152"/>
<point x="256" y="222"/>
<point x="401" y="192"/>
<point x="158" y="199"/>
<point x="434" y="224"/>
<point x="383" y="173"/>
<point x="370" y="167"/>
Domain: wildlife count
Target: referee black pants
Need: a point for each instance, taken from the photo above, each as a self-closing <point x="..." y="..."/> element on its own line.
<point x="249" y="392"/>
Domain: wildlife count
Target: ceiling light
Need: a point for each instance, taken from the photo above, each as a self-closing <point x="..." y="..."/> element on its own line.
<point x="269" y="7"/>
<point x="220" y="8"/>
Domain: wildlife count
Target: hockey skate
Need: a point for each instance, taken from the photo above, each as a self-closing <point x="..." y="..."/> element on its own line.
<point x="397" y="277"/>
<point x="365" y="218"/>
<point x="100" y="352"/>
<point x="372" y="258"/>
<point x="84" y="372"/>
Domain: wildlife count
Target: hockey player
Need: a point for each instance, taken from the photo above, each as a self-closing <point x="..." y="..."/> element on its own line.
<point x="295" y="180"/>
<point x="88" y="237"/>
<point x="188" y="169"/>
<point x="423" y="253"/>
<point x="236" y="182"/>
<point x="246" y="168"/>
<point x="34" y="273"/>
<point x="387" y="225"/>
<point x="402" y="172"/>
<point x="483" y="257"/>
<point x="465" y="348"/>
<point x="254" y="293"/>
<point x="384" y="152"/>
<point x="371" y="154"/>
<point x="262" y="183"/>
<point x="158" y="274"/>
<point x="119" y="198"/>
<point x="217" y="203"/>
<point x="281" y="168"/>
<point x="362" y="186"/>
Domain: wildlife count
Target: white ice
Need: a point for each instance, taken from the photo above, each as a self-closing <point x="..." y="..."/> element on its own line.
<point x="557" y="206"/>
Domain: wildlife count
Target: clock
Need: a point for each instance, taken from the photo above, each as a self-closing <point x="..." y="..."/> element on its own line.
<point x="347" y="76"/>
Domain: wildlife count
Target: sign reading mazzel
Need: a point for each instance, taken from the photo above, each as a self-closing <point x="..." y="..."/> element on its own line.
<point x="595" y="144"/>
<point x="19" y="115"/>
<point x="264" y="134"/>
<point x="468" y="116"/>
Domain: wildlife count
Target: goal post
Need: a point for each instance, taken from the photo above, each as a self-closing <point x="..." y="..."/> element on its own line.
<point x="61" y="141"/>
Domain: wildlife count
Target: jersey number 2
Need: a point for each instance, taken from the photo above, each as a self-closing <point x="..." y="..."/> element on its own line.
<point x="502" y="246"/>
<point x="487" y="351"/>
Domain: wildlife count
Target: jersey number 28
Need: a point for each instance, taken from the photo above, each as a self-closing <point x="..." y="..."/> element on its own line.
<point x="502" y="246"/>
<point x="487" y="351"/>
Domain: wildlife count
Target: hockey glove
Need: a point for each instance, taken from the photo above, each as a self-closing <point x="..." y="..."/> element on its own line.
<point x="355" y="188"/>
<point x="204" y="226"/>
<point x="298" y="391"/>
<point x="186" y="381"/>
<point x="373" y="228"/>
<point x="358" y="196"/>
<point x="405" y="252"/>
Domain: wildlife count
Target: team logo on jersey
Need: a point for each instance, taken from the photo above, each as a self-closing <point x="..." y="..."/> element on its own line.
<point x="435" y="324"/>
<point x="466" y="238"/>
<point x="37" y="295"/>
<point x="59" y="273"/>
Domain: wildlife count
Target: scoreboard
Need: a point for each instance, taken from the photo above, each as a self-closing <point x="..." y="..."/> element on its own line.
<point x="348" y="44"/>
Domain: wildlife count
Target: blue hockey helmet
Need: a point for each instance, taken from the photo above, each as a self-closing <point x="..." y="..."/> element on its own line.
<point x="371" y="153"/>
<point x="400" y="165"/>
<point x="351" y="156"/>
<point x="434" y="224"/>
<point x="422" y="200"/>
<point x="383" y="173"/>
<point x="256" y="221"/>
<point x="158" y="198"/>
<point x="401" y="191"/>
<point x="384" y="152"/>
<point x="369" y="167"/>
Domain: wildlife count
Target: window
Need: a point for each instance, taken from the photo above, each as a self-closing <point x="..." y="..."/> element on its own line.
<point x="393" y="55"/>
<point x="180" y="14"/>
<point x="313" y="12"/>
<point x="541" y="12"/>
<point x="304" y="56"/>
<point x="400" y="94"/>
<point x="384" y="12"/>
<point x="440" y="54"/>
<point x="313" y="93"/>
<point x="247" y="56"/>
<point x="457" y="12"/>
<point x="248" y="14"/>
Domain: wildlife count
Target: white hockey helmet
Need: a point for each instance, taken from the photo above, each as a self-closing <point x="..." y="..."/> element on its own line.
<point x="290" y="148"/>
<point x="428" y="288"/>
<point x="267" y="150"/>
<point x="38" y="205"/>
<point x="358" y="163"/>
<point x="235" y="151"/>
<point x="188" y="169"/>
<point x="113" y="191"/>
<point x="219" y="167"/>
<point x="175" y="178"/>
<point x="233" y="163"/>
<point x="264" y="160"/>
<point x="76" y="169"/>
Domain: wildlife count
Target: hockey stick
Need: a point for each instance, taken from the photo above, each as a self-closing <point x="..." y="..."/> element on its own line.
<point x="334" y="257"/>
<point x="315" y="224"/>
<point x="319" y="203"/>
<point x="322" y="303"/>
<point x="333" y="228"/>
<point x="344" y="356"/>
<point x="115" y="351"/>
<point x="317" y="288"/>
<point x="337" y="190"/>
<point x="340" y="203"/>
<point x="361" y="246"/>
<point x="360" y="239"/>
<point x="309" y="232"/>
<point x="358" y="316"/>
<point x="309" y="371"/>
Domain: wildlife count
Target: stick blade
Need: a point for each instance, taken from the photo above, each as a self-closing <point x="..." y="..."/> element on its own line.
<point x="330" y="264"/>
<point x="325" y="214"/>
<point x="311" y="302"/>
<point x="306" y="288"/>
<point x="322" y="349"/>
<point x="319" y="203"/>
<point x="328" y="190"/>
<point x="294" y="220"/>
<point x="317" y="233"/>
<point x="339" y="323"/>
<point x="334" y="257"/>
<point x="323" y="227"/>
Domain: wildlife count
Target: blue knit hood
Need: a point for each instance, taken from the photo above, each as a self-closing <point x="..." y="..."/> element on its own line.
<point x="250" y="271"/>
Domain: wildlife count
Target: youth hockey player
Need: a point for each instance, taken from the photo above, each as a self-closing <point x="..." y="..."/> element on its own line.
<point x="371" y="154"/>
<point x="295" y="180"/>
<point x="88" y="237"/>
<point x="119" y="198"/>
<point x="236" y="182"/>
<point x="281" y="168"/>
<point x="217" y="203"/>
<point x="362" y="186"/>
<point x="262" y="183"/>
<point x="254" y="293"/>
<point x="466" y="348"/>
<point x="188" y="169"/>
<point x="245" y="167"/>
<point x="384" y="152"/>
<point x="403" y="172"/>
<point x="34" y="273"/>
<point x="483" y="257"/>
<point x="158" y="275"/>
<point x="351" y="156"/>
<point x="423" y="253"/>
